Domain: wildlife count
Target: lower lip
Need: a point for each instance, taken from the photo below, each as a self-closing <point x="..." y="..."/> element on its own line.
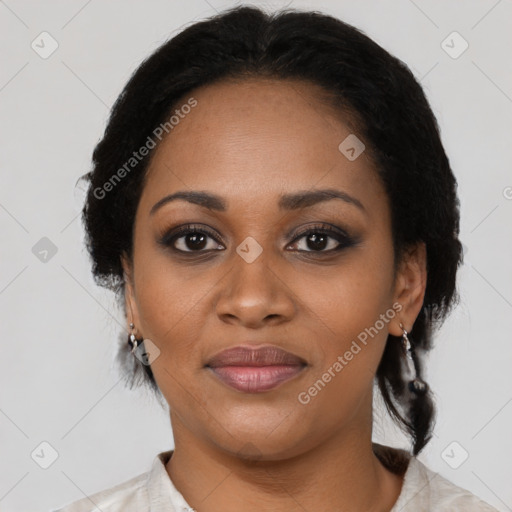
<point x="256" y="379"/>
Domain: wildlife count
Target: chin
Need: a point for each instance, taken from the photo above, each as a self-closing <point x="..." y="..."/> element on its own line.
<point x="262" y="447"/>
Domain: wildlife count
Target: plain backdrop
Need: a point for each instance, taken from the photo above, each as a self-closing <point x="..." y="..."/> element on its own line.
<point x="59" y="385"/>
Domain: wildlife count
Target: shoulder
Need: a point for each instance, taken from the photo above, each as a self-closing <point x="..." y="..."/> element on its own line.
<point x="426" y="490"/>
<point x="153" y="490"/>
<point x="129" y="496"/>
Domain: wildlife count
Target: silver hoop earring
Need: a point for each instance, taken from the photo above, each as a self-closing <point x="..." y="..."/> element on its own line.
<point x="415" y="385"/>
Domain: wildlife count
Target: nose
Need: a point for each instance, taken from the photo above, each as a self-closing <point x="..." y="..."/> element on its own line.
<point x="255" y="294"/>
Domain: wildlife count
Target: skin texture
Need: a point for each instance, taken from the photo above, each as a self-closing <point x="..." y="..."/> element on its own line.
<point x="249" y="142"/>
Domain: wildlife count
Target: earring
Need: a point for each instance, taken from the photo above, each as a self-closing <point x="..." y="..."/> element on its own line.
<point x="132" y="340"/>
<point x="416" y="385"/>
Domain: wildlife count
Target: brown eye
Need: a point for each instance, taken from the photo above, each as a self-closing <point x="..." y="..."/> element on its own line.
<point x="191" y="239"/>
<point x="322" y="239"/>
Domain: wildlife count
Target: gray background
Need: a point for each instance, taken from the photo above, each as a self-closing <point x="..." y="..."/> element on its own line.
<point x="59" y="331"/>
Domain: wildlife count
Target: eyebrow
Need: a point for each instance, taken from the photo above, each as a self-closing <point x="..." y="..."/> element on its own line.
<point x="293" y="201"/>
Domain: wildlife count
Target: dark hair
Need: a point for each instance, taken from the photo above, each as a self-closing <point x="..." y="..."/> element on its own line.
<point x="392" y="116"/>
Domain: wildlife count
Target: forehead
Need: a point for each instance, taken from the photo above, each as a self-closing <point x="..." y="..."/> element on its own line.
<point x="257" y="139"/>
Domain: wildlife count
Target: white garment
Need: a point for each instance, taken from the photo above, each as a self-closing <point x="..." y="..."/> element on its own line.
<point x="423" y="490"/>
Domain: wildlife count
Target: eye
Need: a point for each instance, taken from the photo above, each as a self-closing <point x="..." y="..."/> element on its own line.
<point x="190" y="238"/>
<point x="323" y="239"/>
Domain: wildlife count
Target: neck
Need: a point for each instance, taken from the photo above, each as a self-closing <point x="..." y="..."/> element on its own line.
<point x="340" y="474"/>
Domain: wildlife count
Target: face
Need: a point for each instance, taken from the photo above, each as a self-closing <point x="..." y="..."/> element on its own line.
<point x="268" y="260"/>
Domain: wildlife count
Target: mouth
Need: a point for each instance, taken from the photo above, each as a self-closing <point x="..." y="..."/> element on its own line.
<point x="255" y="370"/>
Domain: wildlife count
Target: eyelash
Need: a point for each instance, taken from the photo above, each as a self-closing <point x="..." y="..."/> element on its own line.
<point x="342" y="238"/>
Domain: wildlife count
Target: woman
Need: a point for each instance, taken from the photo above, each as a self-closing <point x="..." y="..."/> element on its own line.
<point x="274" y="208"/>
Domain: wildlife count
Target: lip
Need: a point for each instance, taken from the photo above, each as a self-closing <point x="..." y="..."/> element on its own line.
<point x="255" y="370"/>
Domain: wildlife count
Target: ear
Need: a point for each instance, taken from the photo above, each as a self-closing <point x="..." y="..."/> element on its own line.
<point x="132" y="314"/>
<point x="410" y="285"/>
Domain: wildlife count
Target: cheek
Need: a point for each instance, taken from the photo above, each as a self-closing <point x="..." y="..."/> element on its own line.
<point x="346" y="328"/>
<point x="348" y="311"/>
<point x="172" y="313"/>
<point x="167" y="293"/>
<point x="346" y="299"/>
<point x="349" y="328"/>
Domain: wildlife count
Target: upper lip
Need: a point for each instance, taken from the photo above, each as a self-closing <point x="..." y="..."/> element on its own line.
<point x="268" y="355"/>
